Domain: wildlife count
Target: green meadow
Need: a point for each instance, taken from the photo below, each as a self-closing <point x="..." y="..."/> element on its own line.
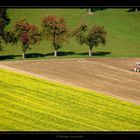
<point x="123" y="33"/>
<point x="32" y="104"/>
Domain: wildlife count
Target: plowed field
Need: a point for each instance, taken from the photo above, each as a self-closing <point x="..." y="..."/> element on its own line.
<point x="110" y="76"/>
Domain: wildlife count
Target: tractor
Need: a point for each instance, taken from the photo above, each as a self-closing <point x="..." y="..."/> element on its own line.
<point x="137" y="67"/>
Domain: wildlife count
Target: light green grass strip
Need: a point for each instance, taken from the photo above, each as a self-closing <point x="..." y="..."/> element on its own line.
<point x="30" y="103"/>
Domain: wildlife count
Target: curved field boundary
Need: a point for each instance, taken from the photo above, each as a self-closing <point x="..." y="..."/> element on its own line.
<point x="104" y="75"/>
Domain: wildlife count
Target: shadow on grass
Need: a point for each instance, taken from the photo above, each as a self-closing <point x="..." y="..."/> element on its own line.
<point x="61" y="53"/>
<point x="34" y="55"/>
<point x="99" y="53"/>
<point x="133" y="10"/>
<point x="5" y="57"/>
<point x="66" y="53"/>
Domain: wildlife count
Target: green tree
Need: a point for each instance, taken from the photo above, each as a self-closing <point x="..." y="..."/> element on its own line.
<point x="27" y="34"/>
<point x="55" y="30"/>
<point x="80" y="33"/>
<point x="1" y="47"/>
<point x="96" y="36"/>
<point x="4" y="20"/>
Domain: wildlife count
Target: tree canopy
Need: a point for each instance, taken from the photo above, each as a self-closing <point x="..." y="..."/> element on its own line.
<point x="4" y="20"/>
<point x="96" y="36"/>
<point x="55" y="30"/>
<point x="26" y="33"/>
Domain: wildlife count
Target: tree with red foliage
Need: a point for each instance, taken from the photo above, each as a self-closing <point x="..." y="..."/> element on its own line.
<point x="55" y="30"/>
<point x="27" y="34"/>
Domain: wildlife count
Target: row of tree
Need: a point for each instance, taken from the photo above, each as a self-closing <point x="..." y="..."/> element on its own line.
<point x="55" y="30"/>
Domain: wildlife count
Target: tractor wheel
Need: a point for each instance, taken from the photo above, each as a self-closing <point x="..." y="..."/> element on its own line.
<point x="135" y="69"/>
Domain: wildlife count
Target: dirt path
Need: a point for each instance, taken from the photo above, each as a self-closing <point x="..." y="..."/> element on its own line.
<point x="109" y="76"/>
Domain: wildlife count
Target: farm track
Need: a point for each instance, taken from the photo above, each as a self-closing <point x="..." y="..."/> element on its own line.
<point x="110" y="76"/>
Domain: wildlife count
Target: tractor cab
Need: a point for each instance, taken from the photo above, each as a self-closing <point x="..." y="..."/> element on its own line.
<point x="137" y="67"/>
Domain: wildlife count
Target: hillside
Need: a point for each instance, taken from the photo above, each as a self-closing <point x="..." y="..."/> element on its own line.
<point x="123" y="38"/>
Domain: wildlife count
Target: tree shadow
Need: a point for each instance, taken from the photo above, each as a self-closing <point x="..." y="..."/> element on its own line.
<point x="5" y="57"/>
<point x="98" y="9"/>
<point x="99" y="53"/>
<point x="62" y="53"/>
<point x="133" y="9"/>
<point x="59" y="53"/>
<point x="34" y="55"/>
<point x="66" y="53"/>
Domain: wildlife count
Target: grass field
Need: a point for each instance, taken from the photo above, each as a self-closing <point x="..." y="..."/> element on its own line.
<point x="123" y="38"/>
<point x="29" y="103"/>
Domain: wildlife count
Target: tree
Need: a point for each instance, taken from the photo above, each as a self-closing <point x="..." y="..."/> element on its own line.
<point x="80" y="33"/>
<point x="55" y="30"/>
<point x="10" y="37"/>
<point x="27" y="34"/>
<point x="1" y="33"/>
<point x="92" y="10"/>
<point x="4" y="20"/>
<point x="135" y="9"/>
<point x="1" y="47"/>
<point x="89" y="11"/>
<point x="96" y="36"/>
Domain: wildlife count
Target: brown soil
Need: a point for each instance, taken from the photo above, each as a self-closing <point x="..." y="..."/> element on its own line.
<point x="110" y="76"/>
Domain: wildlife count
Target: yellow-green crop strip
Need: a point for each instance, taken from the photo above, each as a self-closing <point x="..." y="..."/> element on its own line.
<point x="30" y="103"/>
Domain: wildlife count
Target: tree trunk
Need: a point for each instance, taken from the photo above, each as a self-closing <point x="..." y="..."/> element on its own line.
<point x="55" y="53"/>
<point x="24" y="50"/>
<point x="90" y="52"/>
<point x="23" y="55"/>
<point x="89" y="11"/>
